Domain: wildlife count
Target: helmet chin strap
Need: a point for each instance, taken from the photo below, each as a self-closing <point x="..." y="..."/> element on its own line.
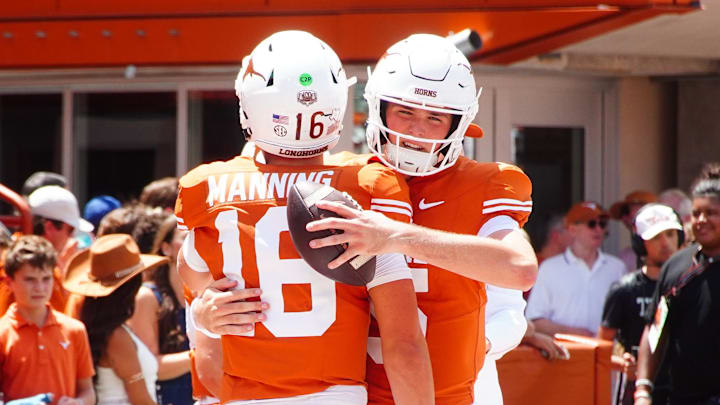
<point x="408" y="159"/>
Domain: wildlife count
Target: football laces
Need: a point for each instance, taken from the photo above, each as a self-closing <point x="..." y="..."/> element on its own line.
<point x="352" y="200"/>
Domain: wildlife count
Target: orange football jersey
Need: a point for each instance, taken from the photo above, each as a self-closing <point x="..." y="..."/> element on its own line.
<point x="460" y="199"/>
<point x="316" y="330"/>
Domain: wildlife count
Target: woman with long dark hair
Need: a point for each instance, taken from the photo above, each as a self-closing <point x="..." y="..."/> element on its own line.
<point x="108" y="276"/>
<point x="160" y="316"/>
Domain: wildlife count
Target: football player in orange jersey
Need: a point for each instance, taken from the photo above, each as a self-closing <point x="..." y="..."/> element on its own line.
<point x="309" y="345"/>
<point x="467" y="215"/>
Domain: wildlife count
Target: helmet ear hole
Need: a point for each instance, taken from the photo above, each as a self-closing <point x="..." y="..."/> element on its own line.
<point x="454" y="124"/>
<point x="383" y="120"/>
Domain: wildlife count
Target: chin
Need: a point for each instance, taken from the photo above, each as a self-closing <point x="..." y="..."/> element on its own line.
<point x="39" y="302"/>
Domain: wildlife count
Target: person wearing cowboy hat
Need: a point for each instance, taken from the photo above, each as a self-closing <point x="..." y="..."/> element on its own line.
<point x="108" y="275"/>
<point x="624" y="211"/>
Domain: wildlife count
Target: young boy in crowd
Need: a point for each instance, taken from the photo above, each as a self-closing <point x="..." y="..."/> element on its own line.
<point x="41" y="350"/>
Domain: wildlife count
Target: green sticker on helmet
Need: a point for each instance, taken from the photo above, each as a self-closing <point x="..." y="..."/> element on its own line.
<point x="305" y="79"/>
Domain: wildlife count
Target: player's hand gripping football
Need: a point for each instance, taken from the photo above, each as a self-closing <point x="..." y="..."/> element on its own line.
<point x="365" y="232"/>
<point x="226" y="311"/>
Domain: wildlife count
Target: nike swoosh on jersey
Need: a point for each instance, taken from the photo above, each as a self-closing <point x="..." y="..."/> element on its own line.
<point x="423" y="205"/>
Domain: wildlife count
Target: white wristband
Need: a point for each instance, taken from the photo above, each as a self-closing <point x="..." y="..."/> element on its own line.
<point x="640" y="382"/>
<point x="642" y="394"/>
<point x="197" y="326"/>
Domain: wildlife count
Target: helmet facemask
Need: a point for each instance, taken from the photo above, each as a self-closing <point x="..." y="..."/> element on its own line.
<point x="407" y="76"/>
<point x="442" y="154"/>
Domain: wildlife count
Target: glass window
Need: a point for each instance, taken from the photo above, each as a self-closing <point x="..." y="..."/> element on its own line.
<point x="214" y="128"/>
<point x="30" y="136"/>
<point x="553" y="158"/>
<point x="122" y="142"/>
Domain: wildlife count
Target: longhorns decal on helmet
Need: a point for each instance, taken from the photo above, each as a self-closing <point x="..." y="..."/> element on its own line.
<point x="251" y="71"/>
<point x="425" y="92"/>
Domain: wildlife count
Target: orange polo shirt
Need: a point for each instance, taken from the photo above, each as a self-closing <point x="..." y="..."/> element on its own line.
<point x="51" y="358"/>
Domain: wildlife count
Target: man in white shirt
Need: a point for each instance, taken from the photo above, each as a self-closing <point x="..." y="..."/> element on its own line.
<point x="571" y="287"/>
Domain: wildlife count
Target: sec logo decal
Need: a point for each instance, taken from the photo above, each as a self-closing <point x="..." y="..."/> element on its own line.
<point x="280" y="130"/>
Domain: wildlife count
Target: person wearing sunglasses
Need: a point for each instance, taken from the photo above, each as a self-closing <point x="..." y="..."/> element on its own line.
<point x="571" y="287"/>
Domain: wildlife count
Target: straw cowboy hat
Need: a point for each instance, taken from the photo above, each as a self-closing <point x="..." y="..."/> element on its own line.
<point x="109" y="262"/>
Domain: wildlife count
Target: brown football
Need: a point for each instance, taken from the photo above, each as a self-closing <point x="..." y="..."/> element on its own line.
<point x="301" y="210"/>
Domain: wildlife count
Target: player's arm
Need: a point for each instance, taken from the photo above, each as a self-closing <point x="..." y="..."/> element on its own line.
<point x="220" y="308"/>
<point x="504" y="258"/>
<point x="195" y="280"/>
<point x="404" y="350"/>
<point x="208" y="362"/>
<point x="505" y="324"/>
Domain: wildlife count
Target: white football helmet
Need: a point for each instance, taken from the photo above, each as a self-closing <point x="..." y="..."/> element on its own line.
<point x="292" y="91"/>
<point x="423" y="71"/>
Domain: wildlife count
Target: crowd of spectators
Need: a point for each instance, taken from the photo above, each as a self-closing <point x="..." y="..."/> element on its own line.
<point x="94" y="303"/>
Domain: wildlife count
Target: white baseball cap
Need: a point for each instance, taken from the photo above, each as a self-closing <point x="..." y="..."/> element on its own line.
<point x="55" y="202"/>
<point x="655" y="218"/>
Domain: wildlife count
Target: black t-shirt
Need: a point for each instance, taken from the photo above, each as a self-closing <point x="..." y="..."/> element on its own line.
<point x="625" y="308"/>
<point x="694" y="321"/>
